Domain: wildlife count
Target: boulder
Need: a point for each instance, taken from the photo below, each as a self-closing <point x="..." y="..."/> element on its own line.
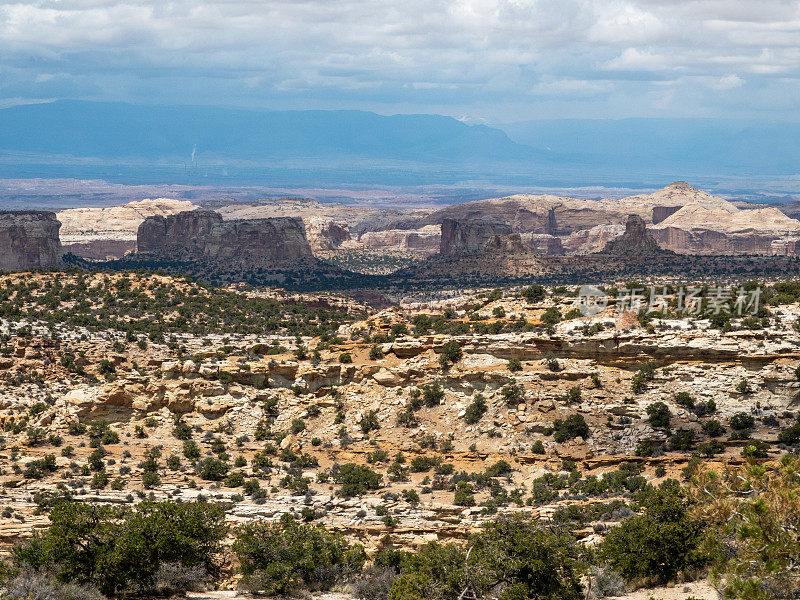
<point x="81" y="400"/>
<point x="387" y="378"/>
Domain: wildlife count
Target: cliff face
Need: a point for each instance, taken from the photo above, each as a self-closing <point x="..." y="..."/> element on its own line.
<point x="706" y="241"/>
<point x="663" y="212"/>
<point x="542" y="243"/>
<point x="182" y="233"/>
<point x="29" y="240"/>
<point x="108" y="233"/>
<point x="469" y="236"/>
<point x="202" y="235"/>
<point x="280" y="241"/>
<point x="635" y="242"/>
<point x="425" y="241"/>
<point x="326" y="234"/>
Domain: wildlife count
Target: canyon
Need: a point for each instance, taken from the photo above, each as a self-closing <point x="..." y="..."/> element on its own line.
<point x="679" y="217"/>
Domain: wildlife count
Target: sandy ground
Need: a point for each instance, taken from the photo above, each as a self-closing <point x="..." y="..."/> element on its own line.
<point x="700" y="590"/>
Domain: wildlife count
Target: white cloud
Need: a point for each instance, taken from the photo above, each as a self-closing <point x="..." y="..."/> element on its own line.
<point x="727" y="82"/>
<point x="633" y="59"/>
<point x="425" y="53"/>
<point x="572" y="88"/>
<point x="625" y="23"/>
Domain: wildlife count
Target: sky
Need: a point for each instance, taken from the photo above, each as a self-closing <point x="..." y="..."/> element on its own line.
<point x="492" y="61"/>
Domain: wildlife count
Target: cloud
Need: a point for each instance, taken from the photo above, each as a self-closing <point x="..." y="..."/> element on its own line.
<point x="499" y="57"/>
<point x="633" y="59"/>
<point x="727" y="82"/>
<point x="572" y="88"/>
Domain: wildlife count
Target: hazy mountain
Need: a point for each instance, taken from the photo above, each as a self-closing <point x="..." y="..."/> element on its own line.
<point x="124" y="131"/>
<point x="707" y="146"/>
<point x="155" y="144"/>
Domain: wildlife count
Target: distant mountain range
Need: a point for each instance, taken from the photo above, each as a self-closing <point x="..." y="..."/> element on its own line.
<point x="697" y="146"/>
<point x="163" y="144"/>
<point x="125" y="131"/>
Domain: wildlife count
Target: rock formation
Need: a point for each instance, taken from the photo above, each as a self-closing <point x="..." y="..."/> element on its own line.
<point x="425" y="240"/>
<point x="506" y="244"/>
<point x="105" y="233"/>
<point x="469" y="236"/>
<point x="326" y="234"/>
<point x="29" y="240"/>
<point x="542" y="243"/>
<point x="697" y="229"/>
<point x="588" y="241"/>
<point x="183" y="233"/>
<point x="662" y="212"/>
<point x="785" y="247"/>
<point x="635" y="242"/>
<point x="684" y="220"/>
<point x="203" y="235"/>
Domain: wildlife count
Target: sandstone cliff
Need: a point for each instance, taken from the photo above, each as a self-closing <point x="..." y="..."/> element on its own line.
<point x="29" y="240"/>
<point x="696" y="229"/>
<point x="685" y="219"/>
<point x="469" y="236"/>
<point x="104" y="233"/>
<point x="636" y="242"/>
<point x="203" y="235"/>
<point x="563" y="216"/>
<point x="662" y="212"/>
<point x="425" y="240"/>
<point x="326" y="234"/>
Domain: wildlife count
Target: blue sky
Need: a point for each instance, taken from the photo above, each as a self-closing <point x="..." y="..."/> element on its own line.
<point x="482" y="60"/>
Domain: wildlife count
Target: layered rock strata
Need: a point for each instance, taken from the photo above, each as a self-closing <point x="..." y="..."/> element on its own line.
<point x="203" y="235"/>
<point x="29" y="240"/>
<point x="635" y="242"/>
<point x="461" y="237"/>
<point x="108" y="233"/>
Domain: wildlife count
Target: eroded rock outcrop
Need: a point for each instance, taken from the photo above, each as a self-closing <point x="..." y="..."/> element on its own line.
<point x="29" y="240"/>
<point x="425" y="240"/>
<point x="699" y="230"/>
<point x="107" y="233"/>
<point x="635" y="242"/>
<point x="589" y="241"/>
<point x="469" y="236"/>
<point x="326" y="234"/>
<point x="505" y="244"/>
<point x="543" y="243"/>
<point x="203" y="235"/>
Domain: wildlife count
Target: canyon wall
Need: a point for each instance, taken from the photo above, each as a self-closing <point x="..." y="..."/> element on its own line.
<point x="29" y="240"/>
<point x="278" y="242"/>
<point x="717" y="242"/>
<point x="109" y="233"/>
<point x="469" y="236"/>
<point x="326" y="234"/>
<point x="635" y="242"/>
